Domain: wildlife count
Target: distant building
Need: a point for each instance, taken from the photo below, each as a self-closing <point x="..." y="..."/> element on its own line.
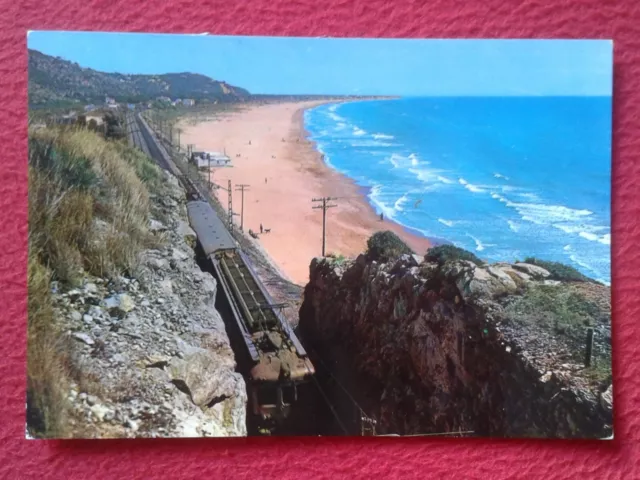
<point x="177" y="101"/>
<point x="131" y="106"/>
<point x="188" y="102"/>
<point x="210" y="159"/>
<point x="164" y="99"/>
<point x="109" y="100"/>
<point x="89" y="108"/>
<point x="113" y="105"/>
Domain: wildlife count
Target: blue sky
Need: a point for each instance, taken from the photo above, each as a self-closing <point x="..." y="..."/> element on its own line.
<point x="280" y="65"/>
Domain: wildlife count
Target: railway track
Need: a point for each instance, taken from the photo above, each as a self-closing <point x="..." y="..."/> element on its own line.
<point x="273" y="360"/>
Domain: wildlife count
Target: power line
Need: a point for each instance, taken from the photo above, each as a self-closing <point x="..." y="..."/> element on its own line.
<point x="324" y="208"/>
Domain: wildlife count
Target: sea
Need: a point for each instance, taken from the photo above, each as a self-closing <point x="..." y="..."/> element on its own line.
<point x="504" y="177"/>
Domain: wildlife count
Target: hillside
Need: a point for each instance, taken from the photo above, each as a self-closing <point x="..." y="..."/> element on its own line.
<point x="446" y="343"/>
<point x="53" y="80"/>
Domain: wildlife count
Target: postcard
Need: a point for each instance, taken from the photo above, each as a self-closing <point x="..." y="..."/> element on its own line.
<point x="266" y="236"/>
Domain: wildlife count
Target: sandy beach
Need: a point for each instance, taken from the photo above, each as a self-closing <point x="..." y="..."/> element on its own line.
<point x="269" y="152"/>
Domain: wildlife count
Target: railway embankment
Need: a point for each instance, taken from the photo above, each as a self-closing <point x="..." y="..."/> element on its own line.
<point x="124" y="337"/>
<point x="447" y="344"/>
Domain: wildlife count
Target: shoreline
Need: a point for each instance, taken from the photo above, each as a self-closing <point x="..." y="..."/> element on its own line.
<point x="271" y="151"/>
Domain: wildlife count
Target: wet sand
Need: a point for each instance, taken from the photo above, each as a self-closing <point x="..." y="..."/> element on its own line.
<point x="270" y="153"/>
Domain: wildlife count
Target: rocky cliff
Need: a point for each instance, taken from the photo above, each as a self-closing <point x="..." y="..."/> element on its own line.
<point x="149" y="352"/>
<point x="447" y="346"/>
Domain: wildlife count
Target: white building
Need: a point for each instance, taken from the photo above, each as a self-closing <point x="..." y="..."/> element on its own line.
<point x="210" y="159"/>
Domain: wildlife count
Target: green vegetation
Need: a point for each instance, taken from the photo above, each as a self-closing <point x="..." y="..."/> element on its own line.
<point x="55" y="81"/>
<point x="566" y="313"/>
<point x="447" y="253"/>
<point x="88" y="214"/>
<point x="555" y="307"/>
<point x="559" y="271"/>
<point x="386" y="245"/>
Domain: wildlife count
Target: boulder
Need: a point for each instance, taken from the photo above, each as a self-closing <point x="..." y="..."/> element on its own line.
<point x="533" y="271"/>
<point x="83" y="337"/>
<point x="202" y="376"/>
<point x="186" y="233"/>
<point x="121" y="303"/>
<point x="156" y="226"/>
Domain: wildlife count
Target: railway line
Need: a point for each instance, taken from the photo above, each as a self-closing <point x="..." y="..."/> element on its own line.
<point x="268" y="352"/>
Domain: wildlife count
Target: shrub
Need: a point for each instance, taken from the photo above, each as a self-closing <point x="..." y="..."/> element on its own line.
<point x="447" y="253"/>
<point x="383" y="246"/>
<point x="47" y="376"/>
<point x="88" y="212"/>
<point x="559" y="271"/>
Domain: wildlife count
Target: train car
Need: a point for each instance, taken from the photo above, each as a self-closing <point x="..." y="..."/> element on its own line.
<point x="277" y="363"/>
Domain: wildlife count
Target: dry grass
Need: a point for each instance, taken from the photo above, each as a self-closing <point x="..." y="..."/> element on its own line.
<point x="88" y="213"/>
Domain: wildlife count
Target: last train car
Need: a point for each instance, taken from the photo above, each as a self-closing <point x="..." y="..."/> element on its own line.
<point x="276" y="362"/>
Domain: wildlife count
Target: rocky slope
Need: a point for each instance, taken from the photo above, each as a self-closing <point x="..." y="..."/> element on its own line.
<point x="150" y="353"/>
<point x="53" y="79"/>
<point x="452" y="346"/>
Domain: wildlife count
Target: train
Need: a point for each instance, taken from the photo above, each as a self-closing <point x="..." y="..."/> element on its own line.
<point x="265" y="344"/>
<point x="270" y="350"/>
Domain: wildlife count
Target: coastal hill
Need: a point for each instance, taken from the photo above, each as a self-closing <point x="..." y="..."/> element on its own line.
<point x="53" y="80"/>
<point x="444" y="342"/>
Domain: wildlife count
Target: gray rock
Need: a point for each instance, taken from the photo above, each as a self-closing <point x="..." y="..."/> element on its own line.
<point x="121" y="303"/>
<point x="92" y="400"/>
<point x="158" y="263"/>
<point x="91" y="288"/>
<point x="417" y="258"/>
<point x="87" y="318"/>
<point x="83" y="337"/>
<point x="75" y="315"/>
<point x="204" y="375"/>
<point x="166" y="287"/>
<point x="186" y="232"/>
<point x="156" y="226"/>
<point x="534" y="271"/>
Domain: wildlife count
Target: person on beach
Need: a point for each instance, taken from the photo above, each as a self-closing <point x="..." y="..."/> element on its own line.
<point x="381" y="217"/>
<point x="265" y="180"/>
<point x="261" y="230"/>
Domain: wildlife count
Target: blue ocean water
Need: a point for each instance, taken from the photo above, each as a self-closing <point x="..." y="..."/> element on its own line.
<point x="504" y="177"/>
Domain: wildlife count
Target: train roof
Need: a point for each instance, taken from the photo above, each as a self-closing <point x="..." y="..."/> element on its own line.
<point x="211" y="230"/>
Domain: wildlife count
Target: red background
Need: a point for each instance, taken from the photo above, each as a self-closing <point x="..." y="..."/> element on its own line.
<point x="312" y="457"/>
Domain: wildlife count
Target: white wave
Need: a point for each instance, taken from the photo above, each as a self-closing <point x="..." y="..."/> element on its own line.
<point x="358" y="132"/>
<point x="371" y="143"/>
<point x="499" y="175"/>
<point x="589" y="236"/>
<point x="513" y="226"/>
<point x="604" y="239"/>
<point x="333" y="107"/>
<point x="448" y="223"/>
<point x="529" y="196"/>
<point x="544" y="214"/>
<point x="382" y="136"/>
<point x="567" y="248"/>
<point x="375" y="195"/>
<point x="399" y="204"/>
<point x="470" y="187"/>
<point x="444" y="179"/>
<point x="400" y="161"/>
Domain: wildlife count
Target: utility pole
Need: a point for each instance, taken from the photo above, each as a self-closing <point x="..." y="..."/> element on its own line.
<point x="230" y="206"/>
<point x="241" y="188"/>
<point x="324" y="207"/>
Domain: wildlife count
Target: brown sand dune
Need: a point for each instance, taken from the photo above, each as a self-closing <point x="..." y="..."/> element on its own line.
<point x="285" y="172"/>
